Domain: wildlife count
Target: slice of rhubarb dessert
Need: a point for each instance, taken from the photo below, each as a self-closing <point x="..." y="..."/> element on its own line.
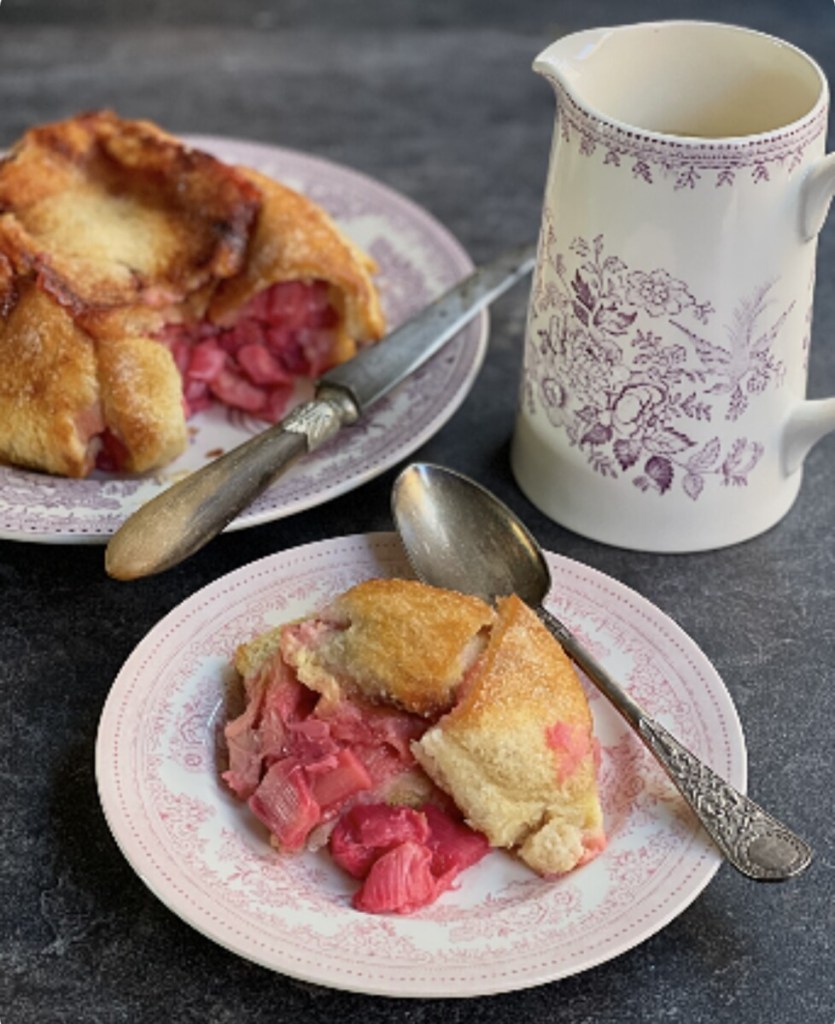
<point x="412" y="728"/>
<point x="517" y="753"/>
<point x="323" y="748"/>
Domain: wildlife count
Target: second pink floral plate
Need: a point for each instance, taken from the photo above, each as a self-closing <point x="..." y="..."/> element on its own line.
<point x="158" y="763"/>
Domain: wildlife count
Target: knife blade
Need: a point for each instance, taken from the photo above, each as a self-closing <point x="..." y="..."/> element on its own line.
<point x="182" y="519"/>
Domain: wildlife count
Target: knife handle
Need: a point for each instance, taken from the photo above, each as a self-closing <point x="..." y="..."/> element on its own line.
<point x="190" y="513"/>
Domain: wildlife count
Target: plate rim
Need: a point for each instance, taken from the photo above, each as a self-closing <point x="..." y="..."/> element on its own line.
<point x="704" y="866"/>
<point x="478" y="330"/>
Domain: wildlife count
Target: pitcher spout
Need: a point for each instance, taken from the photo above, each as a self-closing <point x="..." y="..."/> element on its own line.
<point x="809" y="422"/>
<point x="569" y="61"/>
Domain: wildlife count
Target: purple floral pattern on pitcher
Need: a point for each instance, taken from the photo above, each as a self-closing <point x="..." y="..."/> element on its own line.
<point x="687" y="163"/>
<point x="623" y="361"/>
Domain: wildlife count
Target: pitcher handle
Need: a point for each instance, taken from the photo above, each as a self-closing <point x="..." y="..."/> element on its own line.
<point x="817" y="191"/>
<point x="811" y="420"/>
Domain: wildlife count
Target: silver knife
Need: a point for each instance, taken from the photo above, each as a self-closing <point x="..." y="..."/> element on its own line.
<point x="181" y="520"/>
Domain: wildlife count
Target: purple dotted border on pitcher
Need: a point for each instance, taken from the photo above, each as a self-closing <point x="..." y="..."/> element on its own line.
<point x="685" y="161"/>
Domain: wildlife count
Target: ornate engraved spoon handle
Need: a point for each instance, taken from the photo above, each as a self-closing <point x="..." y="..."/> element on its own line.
<point x="755" y="843"/>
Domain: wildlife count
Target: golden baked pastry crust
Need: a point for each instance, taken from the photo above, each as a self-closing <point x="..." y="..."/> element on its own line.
<point x="516" y="753"/>
<point x="295" y="239"/>
<point x="49" y="393"/>
<point x="395" y="641"/>
<point x="524" y="679"/>
<point x="110" y="212"/>
<point x="142" y="400"/>
<point x="251" y="656"/>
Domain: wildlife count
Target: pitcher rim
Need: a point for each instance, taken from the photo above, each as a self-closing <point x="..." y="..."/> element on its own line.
<point x="816" y="112"/>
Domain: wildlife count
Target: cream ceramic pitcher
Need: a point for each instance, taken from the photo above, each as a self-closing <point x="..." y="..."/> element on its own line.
<point x="663" y="398"/>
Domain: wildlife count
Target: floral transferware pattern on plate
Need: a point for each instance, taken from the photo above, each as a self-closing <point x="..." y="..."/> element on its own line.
<point x="417" y="258"/>
<point x="158" y="761"/>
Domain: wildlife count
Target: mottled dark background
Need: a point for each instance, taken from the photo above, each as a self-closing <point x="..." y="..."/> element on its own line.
<point x="437" y="100"/>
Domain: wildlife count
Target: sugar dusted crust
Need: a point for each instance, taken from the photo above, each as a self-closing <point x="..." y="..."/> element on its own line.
<point x="394" y="641"/>
<point x="49" y="395"/>
<point x="109" y="230"/>
<point x="295" y="238"/>
<point x="516" y="753"/>
<point x="110" y="212"/>
<point x="142" y="400"/>
<point x="357" y="718"/>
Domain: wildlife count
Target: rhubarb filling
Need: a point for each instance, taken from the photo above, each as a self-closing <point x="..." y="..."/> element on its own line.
<point x="318" y="771"/>
<point x="284" y="332"/>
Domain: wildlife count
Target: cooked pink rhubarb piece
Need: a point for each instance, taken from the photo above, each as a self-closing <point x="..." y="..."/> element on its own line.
<point x="405" y="857"/>
<point x="309" y="768"/>
<point x="282" y="333"/>
<point x="299" y="761"/>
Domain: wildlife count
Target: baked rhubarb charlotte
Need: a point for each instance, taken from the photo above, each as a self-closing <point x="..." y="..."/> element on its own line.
<point x="142" y="280"/>
<point x="412" y="729"/>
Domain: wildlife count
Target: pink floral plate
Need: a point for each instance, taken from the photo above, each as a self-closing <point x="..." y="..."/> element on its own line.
<point x="202" y="853"/>
<point x="417" y="258"/>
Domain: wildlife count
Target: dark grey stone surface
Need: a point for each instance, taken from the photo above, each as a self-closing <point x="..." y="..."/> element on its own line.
<point x="437" y="100"/>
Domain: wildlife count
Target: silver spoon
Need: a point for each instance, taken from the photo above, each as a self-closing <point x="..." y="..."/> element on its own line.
<point x="459" y="536"/>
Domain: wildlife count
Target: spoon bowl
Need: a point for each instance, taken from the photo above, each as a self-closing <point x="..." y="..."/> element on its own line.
<point x="459" y="536"/>
<point x="455" y="530"/>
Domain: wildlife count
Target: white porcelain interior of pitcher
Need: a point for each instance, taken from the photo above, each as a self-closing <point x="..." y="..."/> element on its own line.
<point x="708" y="80"/>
